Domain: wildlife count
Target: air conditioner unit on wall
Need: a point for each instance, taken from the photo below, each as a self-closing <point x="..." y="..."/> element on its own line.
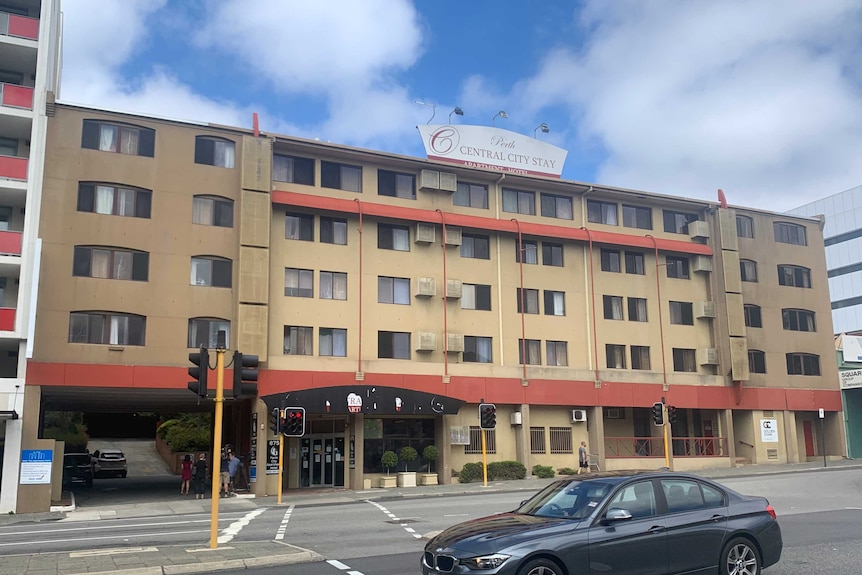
<point x="426" y="287"/>
<point x="425" y="233"/>
<point x="454" y="288"/>
<point x="426" y="340"/>
<point x="698" y="229"/>
<point x="455" y="342"/>
<point x="579" y="415"/>
<point x="429" y="180"/>
<point x="448" y="182"/>
<point x="704" y="309"/>
<point x="707" y="356"/>
<point x="453" y="236"/>
<point x="702" y="264"/>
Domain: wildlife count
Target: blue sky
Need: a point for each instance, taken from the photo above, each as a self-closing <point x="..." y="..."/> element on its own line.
<point x="762" y="99"/>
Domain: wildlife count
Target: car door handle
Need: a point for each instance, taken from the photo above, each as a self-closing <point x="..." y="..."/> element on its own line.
<point x="717" y="517"/>
<point x="656" y="529"/>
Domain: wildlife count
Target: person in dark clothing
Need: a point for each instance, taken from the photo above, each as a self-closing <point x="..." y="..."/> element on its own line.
<point x="200" y="478"/>
<point x="225" y="473"/>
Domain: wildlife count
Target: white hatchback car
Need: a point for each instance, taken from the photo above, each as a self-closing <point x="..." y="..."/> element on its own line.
<point x="109" y="463"/>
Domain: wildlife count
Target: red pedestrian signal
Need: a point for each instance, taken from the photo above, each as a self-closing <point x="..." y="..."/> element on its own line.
<point x="294" y="422"/>
<point x="671" y="414"/>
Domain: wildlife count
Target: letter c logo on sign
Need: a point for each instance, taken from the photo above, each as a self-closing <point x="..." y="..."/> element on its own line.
<point x="444" y="140"/>
<point x="767" y="425"/>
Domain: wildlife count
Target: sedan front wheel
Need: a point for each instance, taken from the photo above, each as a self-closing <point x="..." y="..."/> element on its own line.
<point x="540" y="567"/>
<point x="740" y="557"/>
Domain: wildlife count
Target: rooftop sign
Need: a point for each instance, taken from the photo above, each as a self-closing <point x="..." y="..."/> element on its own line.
<point x="494" y="149"/>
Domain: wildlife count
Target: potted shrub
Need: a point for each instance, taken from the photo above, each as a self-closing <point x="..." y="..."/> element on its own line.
<point x="407" y="478"/>
<point x="429" y="454"/>
<point x="388" y="460"/>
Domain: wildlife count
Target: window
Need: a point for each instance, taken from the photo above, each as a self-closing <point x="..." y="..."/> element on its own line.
<point x="797" y="320"/>
<point x="531" y="300"/>
<point x="212" y="211"/>
<point x="637" y="217"/>
<point x="476" y="296"/>
<point x="473" y="246"/>
<point x="106" y="328"/>
<point x="519" y="202"/>
<point x="530" y="249"/>
<point x="787" y="233"/>
<point x="616" y="356"/>
<point x="340" y="177"/>
<point x="556" y="207"/>
<point x="7" y="76"/>
<point x="475" y="446"/>
<point x="537" y="440"/>
<point x="637" y="309"/>
<point x="613" y="305"/>
<point x="637" y="498"/>
<point x="299" y="227"/>
<point x="634" y="263"/>
<point x="601" y="212"/>
<point x="390" y="237"/>
<point x="333" y="342"/>
<point x="803" y="364"/>
<point x="677" y="222"/>
<point x="683" y="360"/>
<point x="561" y="439"/>
<point x="794" y="276"/>
<point x="640" y="357"/>
<point x="471" y="196"/>
<point x="298" y="340"/>
<point x="293" y="170"/>
<point x="214" y="152"/>
<point x="114" y="200"/>
<point x="756" y="361"/>
<point x="123" y="139"/>
<point x="682" y="495"/>
<point x="752" y="315"/>
<point x="396" y="185"/>
<point x="203" y="332"/>
<point x="333" y="285"/>
<point x="211" y="271"/>
<point x="744" y="227"/>
<point x="552" y="254"/>
<point x="557" y="353"/>
<point x="298" y="283"/>
<point x="534" y="351"/>
<point x="748" y="270"/>
<point x="677" y="267"/>
<point x="333" y="231"/>
<point x="681" y="313"/>
<point x="8" y="147"/>
<point x="611" y="261"/>
<point x="110" y="263"/>
<point x="5" y="217"/>
<point x="393" y="290"/>
<point x="393" y="345"/>
<point x="555" y="302"/>
<point x="477" y="349"/>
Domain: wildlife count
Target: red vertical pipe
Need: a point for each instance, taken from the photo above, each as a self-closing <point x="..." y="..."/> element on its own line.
<point x="660" y="323"/>
<point x="445" y="301"/>
<point x="523" y="307"/>
<point x="593" y="301"/>
<point x="359" y="210"/>
<point x="254" y="125"/>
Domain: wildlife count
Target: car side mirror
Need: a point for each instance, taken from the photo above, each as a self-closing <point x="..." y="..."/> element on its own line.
<point x="616" y="514"/>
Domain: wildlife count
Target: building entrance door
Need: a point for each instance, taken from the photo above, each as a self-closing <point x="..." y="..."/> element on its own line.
<point x="808" y="431"/>
<point x="321" y="461"/>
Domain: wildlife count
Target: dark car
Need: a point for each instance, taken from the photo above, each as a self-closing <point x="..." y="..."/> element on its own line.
<point x="77" y="469"/>
<point x="644" y="523"/>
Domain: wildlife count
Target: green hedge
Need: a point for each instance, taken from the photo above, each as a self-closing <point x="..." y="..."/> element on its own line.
<point x="566" y="471"/>
<point x="497" y="471"/>
<point x="543" y="471"/>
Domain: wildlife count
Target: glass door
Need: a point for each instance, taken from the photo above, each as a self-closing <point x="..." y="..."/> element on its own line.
<point x="321" y="462"/>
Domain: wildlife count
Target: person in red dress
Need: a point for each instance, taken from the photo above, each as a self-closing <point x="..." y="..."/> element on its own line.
<point x="186" y="474"/>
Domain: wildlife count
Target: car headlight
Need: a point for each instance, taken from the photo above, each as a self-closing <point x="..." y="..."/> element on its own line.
<point x="485" y="561"/>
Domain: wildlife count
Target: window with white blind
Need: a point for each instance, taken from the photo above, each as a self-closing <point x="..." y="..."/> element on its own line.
<point x="333" y="342"/>
<point x="333" y="285"/>
<point x="533" y="350"/>
<point x="298" y="340"/>
<point x="298" y="283"/>
<point x="106" y="328"/>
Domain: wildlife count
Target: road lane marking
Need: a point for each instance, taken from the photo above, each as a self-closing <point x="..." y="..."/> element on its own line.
<point x="393" y="517"/>
<point x="120" y="551"/>
<point x="124" y="536"/>
<point x="342" y="567"/>
<point x="234" y="528"/>
<point x="112" y="527"/>
<point x="283" y="527"/>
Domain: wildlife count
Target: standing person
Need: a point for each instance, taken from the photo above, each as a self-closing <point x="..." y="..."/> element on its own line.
<point x="225" y="474"/>
<point x="233" y="467"/>
<point x="200" y="476"/>
<point x="583" y="458"/>
<point x="186" y="476"/>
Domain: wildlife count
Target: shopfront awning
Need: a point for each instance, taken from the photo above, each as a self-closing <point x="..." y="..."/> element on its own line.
<point x="366" y="399"/>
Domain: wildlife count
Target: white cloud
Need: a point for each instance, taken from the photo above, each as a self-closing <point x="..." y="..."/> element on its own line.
<point x="687" y="97"/>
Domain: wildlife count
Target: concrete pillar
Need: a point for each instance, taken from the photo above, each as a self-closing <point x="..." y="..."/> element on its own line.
<point x="791" y="443"/>
<point x="596" y="434"/>
<point x="264" y="484"/>
<point x="522" y="437"/>
<point x="356" y="431"/>
<point x="725" y="429"/>
<point x="443" y="465"/>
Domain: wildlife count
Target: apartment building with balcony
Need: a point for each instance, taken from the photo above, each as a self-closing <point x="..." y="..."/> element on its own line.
<point x="390" y="295"/>
<point x="29" y="56"/>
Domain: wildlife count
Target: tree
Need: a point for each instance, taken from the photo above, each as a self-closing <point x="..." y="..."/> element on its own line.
<point x="430" y="454"/>
<point x="407" y="455"/>
<point x="388" y="460"/>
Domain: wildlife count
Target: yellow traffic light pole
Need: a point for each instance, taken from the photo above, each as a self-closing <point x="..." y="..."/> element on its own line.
<point x="665" y="430"/>
<point x="484" y="459"/>
<point x="280" y="462"/>
<point x="217" y="437"/>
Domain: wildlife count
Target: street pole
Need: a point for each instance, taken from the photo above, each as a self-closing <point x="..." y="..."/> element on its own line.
<point x="822" y="438"/>
<point x="219" y="410"/>
<point x="280" y="460"/>
<point x="484" y="459"/>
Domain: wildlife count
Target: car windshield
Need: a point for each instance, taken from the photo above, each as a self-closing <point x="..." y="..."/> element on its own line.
<point x="568" y="499"/>
<point x="82" y="459"/>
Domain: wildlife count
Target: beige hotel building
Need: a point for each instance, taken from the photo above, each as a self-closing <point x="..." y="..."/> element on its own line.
<point x="390" y="295"/>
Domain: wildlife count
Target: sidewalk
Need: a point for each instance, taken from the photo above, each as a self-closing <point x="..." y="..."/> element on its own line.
<point x="169" y="560"/>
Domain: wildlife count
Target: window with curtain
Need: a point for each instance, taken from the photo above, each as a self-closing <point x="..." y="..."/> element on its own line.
<point x="114" y="200"/>
<point x="613" y="307"/>
<point x="106" y="328"/>
<point x="640" y="357"/>
<point x="393" y="290"/>
<point x="637" y="309"/>
<point x="333" y="231"/>
<point x="794" y="276"/>
<point x="118" y="138"/>
<point x="616" y="356"/>
<point x="611" y="261"/>
<point x="212" y="151"/>
<point x="803" y="364"/>
<point x="530" y="251"/>
<point x="556" y="206"/>
<point x="396" y="185"/>
<point x="340" y="176"/>
<point x="471" y="196"/>
<point x="635" y="263"/>
<point x="797" y="319"/>
<point x="299" y="227"/>
<point x="552" y="254"/>
<point x="110" y="263"/>
<point x="555" y="302"/>
<point x="393" y="345"/>
<point x="333" y="342"/>
<point x="519" y="202"/>
<point x="212" y="211"/>
<point x="556" y="353"/>
<point x="748" y="270"/>
<point x="390" y="237"/>
<point x="476" y="296"/>
<point x="211" y="271"/>
<point x="756" y="361"/>
<point x="203" y="332"/>
<point x="533" y="349"/>
<point x="681" y="313"/>
<point x="637" y="217"/>
<point x="684" y="360"/>
<point x="298" y="340"/>
<point x="333" y="285"/>
<point x="602" y="212"/>
<point x="298" y="283"/>
<point x="787" y="233"/>
<point x="475" y="246"/>
<point x="477" y="349"/>
<point x="293" y="170"/>
<point x="530" y="299"/>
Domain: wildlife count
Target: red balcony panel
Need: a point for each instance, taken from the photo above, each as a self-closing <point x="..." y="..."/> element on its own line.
<point x="7" y="319"/>
<point x="23" y="27"/>
<point x="10" y="243"/>
<point x="17" y="96"/>
<point x="13" y="168"/>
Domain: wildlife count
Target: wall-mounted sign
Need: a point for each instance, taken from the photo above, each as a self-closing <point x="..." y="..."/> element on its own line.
<point x="769" y="430"/>
<point x="494" y="149"/>
<point x="36" y="466"/>
<point x="850" y="378"/>
<point x="371" y="400"/>
<point x="272" y="457"/>
<point x="852" y="348"/>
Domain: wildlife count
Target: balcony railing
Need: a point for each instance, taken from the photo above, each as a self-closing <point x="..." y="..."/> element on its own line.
<point x="10" y="243"/>
<point x="13" y="168"/>
<point x="654" y="447"/>
<point x="15" y="96"/>
<point x="19" y="26"/>
<point x="7" y="319"/>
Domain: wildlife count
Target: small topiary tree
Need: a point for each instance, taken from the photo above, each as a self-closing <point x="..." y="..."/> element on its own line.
<point x="388" y="460"/>
<point x="430" y="454"/>
<point x="407" y="455"/>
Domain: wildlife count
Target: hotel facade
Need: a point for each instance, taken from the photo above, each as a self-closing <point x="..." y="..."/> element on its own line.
<point x="390" y="295"/>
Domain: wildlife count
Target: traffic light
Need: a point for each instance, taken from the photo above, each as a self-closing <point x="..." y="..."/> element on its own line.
<point x="658" y="413"/>
<point x="294" y="422"/>
<point x="199" y="372"/>
<point x="244" y="375"/>
<point x="671" y="414"/>
<point x="487" y="415"/>
<point x="275" y="420"/>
